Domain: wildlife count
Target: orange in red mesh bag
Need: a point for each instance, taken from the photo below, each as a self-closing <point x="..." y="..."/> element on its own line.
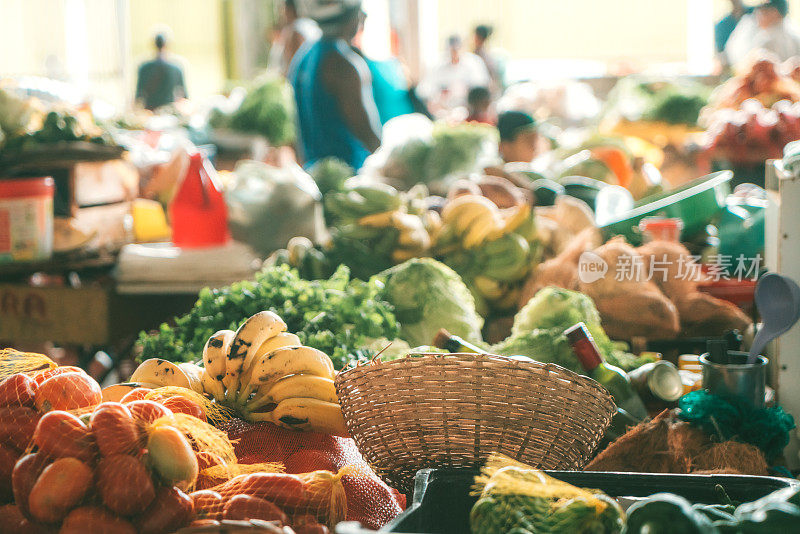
<point x="369" y="500"/>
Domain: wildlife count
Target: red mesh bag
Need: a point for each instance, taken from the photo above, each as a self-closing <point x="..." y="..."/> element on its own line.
<point x="369" y="500"/>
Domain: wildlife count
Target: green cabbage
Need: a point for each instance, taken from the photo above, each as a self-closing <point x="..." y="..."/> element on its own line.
<point x="538" y="330"/>
<point x="427" y="296"/>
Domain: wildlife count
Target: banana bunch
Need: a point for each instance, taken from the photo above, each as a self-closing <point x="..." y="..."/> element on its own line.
<point x="470" y="220"/>
<point x="492" y="249"/>
<point x="412" y="239"/>
<point x="357" y="200"/>
<point x="265" y="374"/>
<point x="156" y="373"/>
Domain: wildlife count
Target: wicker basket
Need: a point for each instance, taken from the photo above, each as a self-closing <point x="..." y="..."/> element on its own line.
<point x="454" y="410"/>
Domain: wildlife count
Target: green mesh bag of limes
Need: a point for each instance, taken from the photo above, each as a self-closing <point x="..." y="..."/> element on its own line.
<point x="515" y="498"/>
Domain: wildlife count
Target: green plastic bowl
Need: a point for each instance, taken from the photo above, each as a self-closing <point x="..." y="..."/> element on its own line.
<point x="696" y="203"/>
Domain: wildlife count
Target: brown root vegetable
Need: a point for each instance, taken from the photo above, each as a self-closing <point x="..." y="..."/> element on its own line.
<point x="678" y="277"/>
<point x="561" y="271"/>
<point x="463" y="187"/>
<point x="501" y="191"/>
<point x="629" y="303"/>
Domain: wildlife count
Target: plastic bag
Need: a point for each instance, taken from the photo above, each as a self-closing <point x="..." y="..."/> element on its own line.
<point x="267" y="206"/>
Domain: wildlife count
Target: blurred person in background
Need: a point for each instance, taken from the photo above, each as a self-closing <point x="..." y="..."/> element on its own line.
<point x="446" y="86"/>
<point x="766" y="28"/>
<point x="479" y="106"/>
<point x="480" y="38"/>
<point x="390" y="87"/>
<point x="724" y="28"/>
<point x="332" y="84"/>
<point x="159" y="81"/>
<point x="295" y="31"/>
<point x="519" y="139"/>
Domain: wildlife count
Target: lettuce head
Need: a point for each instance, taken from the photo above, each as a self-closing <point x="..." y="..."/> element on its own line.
<point x="427" y="295"/>
<point x="538" y="330"/>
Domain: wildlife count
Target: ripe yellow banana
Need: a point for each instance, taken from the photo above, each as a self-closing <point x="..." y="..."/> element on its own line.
<point x="291" y="361"/>
<point x="215" y="353"/>
<point x="480" y="228"/>
<point x="378" y="220"/>
<point x="488" y="288"/>
<point x="433" y="224"/>
<point x="310" y="415"/>
<point x="303" y="386"/>
<point x="284" y="339"/>
<point x="194" y="373"/>
<point x="512" y="219"/>
<point x="215" y="357"/>
<point x="418" y="239"/>
<point x="212" y="386"/>
<point x="456" y="206"/>
<point x="250" y="336"/>
<point x="399" y="255"/>
<point x="160" y="372"/>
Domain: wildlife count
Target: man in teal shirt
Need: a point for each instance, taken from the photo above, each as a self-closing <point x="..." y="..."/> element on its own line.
<point x="160" y="81"/>
<point x="332" y="84"/>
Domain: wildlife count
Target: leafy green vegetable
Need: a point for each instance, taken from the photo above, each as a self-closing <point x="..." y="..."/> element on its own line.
<point x="427" y="296"/>
<point x="675" y="108"/>
<point x="330" y="174"/>
<point x="452" y="149"/>
<point x="268" y="109"/>
<point x="336" y="315"/>
<point x="538" y="330"/>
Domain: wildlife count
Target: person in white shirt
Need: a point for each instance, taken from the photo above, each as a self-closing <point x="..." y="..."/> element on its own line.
<point x="446" y="86"/>
<point x="766" y="28"/>
<point x="296" y="30"/>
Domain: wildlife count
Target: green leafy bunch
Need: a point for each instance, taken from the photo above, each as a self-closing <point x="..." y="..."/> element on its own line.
<point x="337" y="315"/>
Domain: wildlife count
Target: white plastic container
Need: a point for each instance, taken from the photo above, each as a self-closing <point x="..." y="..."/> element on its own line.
<point x="26" y="219"/>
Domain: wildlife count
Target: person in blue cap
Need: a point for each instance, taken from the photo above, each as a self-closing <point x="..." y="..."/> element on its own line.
<point x="332" y="85"/>
<point x="767" y="28"/>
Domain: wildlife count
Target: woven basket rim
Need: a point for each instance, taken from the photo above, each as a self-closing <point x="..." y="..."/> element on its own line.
<point x="416" y="357"/>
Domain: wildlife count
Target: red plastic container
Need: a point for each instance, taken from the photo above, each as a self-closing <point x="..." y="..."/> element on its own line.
<point x="661" y="229"/>
<point x="198" y="213"/>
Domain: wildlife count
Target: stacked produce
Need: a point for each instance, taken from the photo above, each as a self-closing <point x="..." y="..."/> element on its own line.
<point x="130" y="466"/>
<point x="489" y="237"/>
<point x="263" y="373"/>
<point x="517" y="498"/>
<point x="653" y="278"/>
<point x="373" y="226"/>
<point x="538" y="331"/>
<point x="762" y="81"/>
<point x="753" y="133"/>
<point x="116" y="468"/>
<point x="451" y="149"/>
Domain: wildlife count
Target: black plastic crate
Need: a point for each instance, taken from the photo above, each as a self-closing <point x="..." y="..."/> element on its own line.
<point x="442" y="499"/>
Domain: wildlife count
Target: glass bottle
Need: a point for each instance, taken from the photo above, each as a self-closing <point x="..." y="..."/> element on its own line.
<point x="614" y="379"/>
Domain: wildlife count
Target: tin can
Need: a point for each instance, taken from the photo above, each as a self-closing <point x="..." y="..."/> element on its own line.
<point x="657" y="381"/>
